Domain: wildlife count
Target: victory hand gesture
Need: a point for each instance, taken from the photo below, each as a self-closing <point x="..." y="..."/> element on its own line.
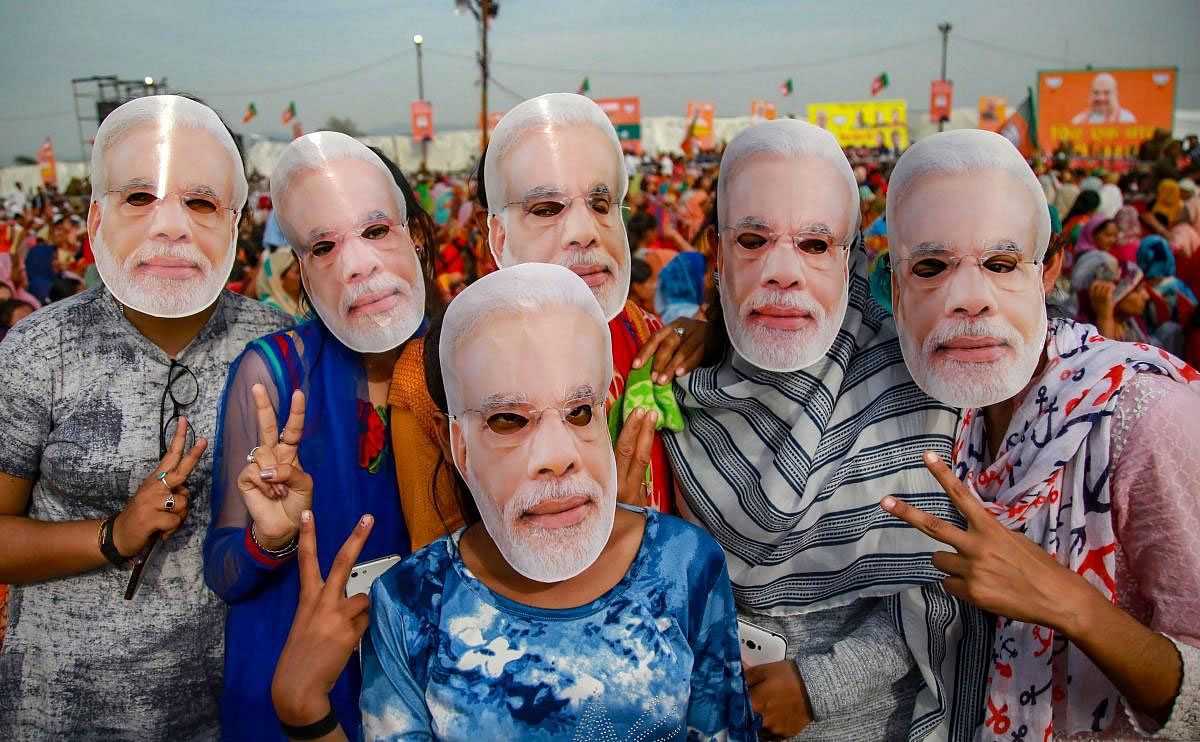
<point x="273" y="484"/>
<point x="996" y="569"/>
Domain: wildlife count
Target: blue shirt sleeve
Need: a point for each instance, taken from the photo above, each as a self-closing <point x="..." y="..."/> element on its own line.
<point x="720" y="701"/>
<point x="392" y="702"/>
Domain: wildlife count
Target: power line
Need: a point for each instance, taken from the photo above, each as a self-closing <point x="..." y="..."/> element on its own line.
<point x="319" y="81"/>
<point x="37" y="116"/>
<point x="608" y="72"/>
<point x="1010" y="50"/>
<point x="507" y="89"/>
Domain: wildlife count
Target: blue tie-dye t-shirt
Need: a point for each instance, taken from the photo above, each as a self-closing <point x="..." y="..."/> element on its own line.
<point x="656" y="658"/>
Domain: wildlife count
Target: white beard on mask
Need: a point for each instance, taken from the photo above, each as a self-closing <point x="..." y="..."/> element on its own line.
<point x="378" y="332"/>
<point x="966" y="384"/>
<point x="154" y="295"/>
<point x="611" y="294"/>
<point x="549" y="555"/>
<point x="775" y="349"/>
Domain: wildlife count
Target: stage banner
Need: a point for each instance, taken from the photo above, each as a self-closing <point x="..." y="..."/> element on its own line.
<point x="47" y="164"/>
<point x="875" y="123"/>
<point x="422" y="121"/>
<point x="1104" y="112"/>
<point x="626" y="117"/>
<point x="993" y="109"/>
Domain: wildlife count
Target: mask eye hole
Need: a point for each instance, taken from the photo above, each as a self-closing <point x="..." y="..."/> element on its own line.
<point x="506" y="423"/>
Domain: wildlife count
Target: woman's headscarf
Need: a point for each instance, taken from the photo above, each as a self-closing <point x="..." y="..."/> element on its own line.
<point x="1065" y="198"/>
<point x="1155" y="258"/>
<point x="39" y="270"/>
<point x="1087" y="235"/>
<point x="1092" y="266"/>
<point x="270" y="282"/>
<point x="1168" y="201"/>
<point x="7" y="279"/>
<point x="1128" y="224"/>
<point x="1111" y="200"/>
<point x="680" y="287"/>
<point x="1091" y="183"/>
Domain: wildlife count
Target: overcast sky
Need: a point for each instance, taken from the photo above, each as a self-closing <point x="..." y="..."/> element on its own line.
<point x="354" y="58"/>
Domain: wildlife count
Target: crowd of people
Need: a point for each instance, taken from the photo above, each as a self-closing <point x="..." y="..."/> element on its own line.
<point x="597" y="424"/>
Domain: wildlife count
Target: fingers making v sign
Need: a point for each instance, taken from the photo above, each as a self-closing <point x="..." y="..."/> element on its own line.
<point x="273" y="483"/>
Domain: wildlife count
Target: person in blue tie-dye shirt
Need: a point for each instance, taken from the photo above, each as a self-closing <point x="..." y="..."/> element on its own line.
<point x="561" y="615"/>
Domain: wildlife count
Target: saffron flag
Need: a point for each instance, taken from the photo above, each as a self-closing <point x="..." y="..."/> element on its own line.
<point x="688" y="145"/>
<point x="786" y="87"/>
<point x="1020" y="128"/>
<point x="289" y="113"/>
<point x="47" y="164"/>
<point x="585" y="87"/>
<point x="879" y="83"/>
<point x="251" y="112"/>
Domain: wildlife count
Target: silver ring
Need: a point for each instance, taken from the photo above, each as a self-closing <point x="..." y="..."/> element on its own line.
<point x="170" y="503"/>
<point x="250" y="456"/>
<point x="680" y="331"/>
<point x="162" y="477"/>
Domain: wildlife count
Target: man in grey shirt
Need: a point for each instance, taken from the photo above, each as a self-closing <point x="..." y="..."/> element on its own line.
<point x="96" y="465"/>
<point x="802" y="417"/>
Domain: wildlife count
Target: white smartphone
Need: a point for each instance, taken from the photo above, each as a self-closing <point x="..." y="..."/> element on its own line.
<point x="362" y="575"/>
<point x="760" y="646"/>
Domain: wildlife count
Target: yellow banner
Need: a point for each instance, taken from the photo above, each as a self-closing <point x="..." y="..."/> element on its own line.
<point x="874" y="123"/>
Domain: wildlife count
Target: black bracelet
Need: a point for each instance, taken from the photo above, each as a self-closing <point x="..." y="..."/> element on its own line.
<point x="108" y="546"/>
<point x="316" y="730"/>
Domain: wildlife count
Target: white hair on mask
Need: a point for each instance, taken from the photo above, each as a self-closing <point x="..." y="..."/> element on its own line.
<point x="165" y="112"/>
<point x="786" y="139"/>
<point x="314" y="152"/>
<point x="526" y="289"/>
<point x="545" y="113"/>
<point x="959" y="152"/>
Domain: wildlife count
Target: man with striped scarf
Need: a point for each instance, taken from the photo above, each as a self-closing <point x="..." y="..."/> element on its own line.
<point x="802" y="416"/>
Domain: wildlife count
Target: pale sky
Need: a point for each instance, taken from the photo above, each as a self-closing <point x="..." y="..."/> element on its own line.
<point x="354" y="58"/>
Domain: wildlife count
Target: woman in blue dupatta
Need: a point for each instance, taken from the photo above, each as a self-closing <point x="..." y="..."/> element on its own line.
<point x="362" y="241"/>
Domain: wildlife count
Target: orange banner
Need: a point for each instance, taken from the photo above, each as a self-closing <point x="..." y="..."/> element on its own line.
<point x="763" y="110"/>
<point x="993" y="110"/>
<point x="1104" y="112"/>
<point x="422" y="121"/>
<point x="941" y="99"/>
<point x="626" y="117"/>
<point x="702" y="112"/>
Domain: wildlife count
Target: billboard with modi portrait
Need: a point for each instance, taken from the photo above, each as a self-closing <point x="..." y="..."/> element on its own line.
<point x="1104" y="112"/>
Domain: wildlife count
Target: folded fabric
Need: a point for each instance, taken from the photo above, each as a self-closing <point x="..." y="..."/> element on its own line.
<point x="641" y="392"/>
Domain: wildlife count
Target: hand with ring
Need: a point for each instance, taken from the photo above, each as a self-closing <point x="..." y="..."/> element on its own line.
<point x="274" y="485"/>
<point x="676" y="349"/>
<point x="161" y="503"/>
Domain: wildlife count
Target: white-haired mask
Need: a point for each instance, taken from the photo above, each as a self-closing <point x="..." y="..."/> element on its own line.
<point x="555" y="180"/>
<point x="968" y="227"/>
<point x="788" y="211"/>
<point x="345" y="217"/>
<point x="526" y="362"/>
<point x="167" y="189"/>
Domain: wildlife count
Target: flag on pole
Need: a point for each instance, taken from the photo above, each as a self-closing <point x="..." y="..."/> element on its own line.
<point x="786" y="87"/>
<point x="879" y="83"/>
<point x="251" y="112"/>
<point x="585" y="87"/>
<point x="47" y="165"/>
<point x="289" y="113"/>
<point x="1021" y="127"/>
<point x="688" y="145"/>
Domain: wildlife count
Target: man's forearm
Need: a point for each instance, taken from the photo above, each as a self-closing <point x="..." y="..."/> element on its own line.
<point x="33" y="550"/>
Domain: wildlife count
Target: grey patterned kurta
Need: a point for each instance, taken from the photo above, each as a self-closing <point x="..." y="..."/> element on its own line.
<point x="79" y="415"/>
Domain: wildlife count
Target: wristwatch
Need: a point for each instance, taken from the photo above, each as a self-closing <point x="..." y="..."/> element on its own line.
<point x="107" y="543"/>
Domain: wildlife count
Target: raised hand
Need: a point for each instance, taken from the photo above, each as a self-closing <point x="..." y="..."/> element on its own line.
<point x="675" y="353"/>
<point x="147" y="513"/>
<point x="633" y="449"/>
<point x="273" y="484"/>
<point x="996" y="569"/>
<point x="325" y="631"/>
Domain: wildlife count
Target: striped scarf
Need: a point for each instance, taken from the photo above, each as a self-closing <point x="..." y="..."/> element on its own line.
<point x="786" y="470"/>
